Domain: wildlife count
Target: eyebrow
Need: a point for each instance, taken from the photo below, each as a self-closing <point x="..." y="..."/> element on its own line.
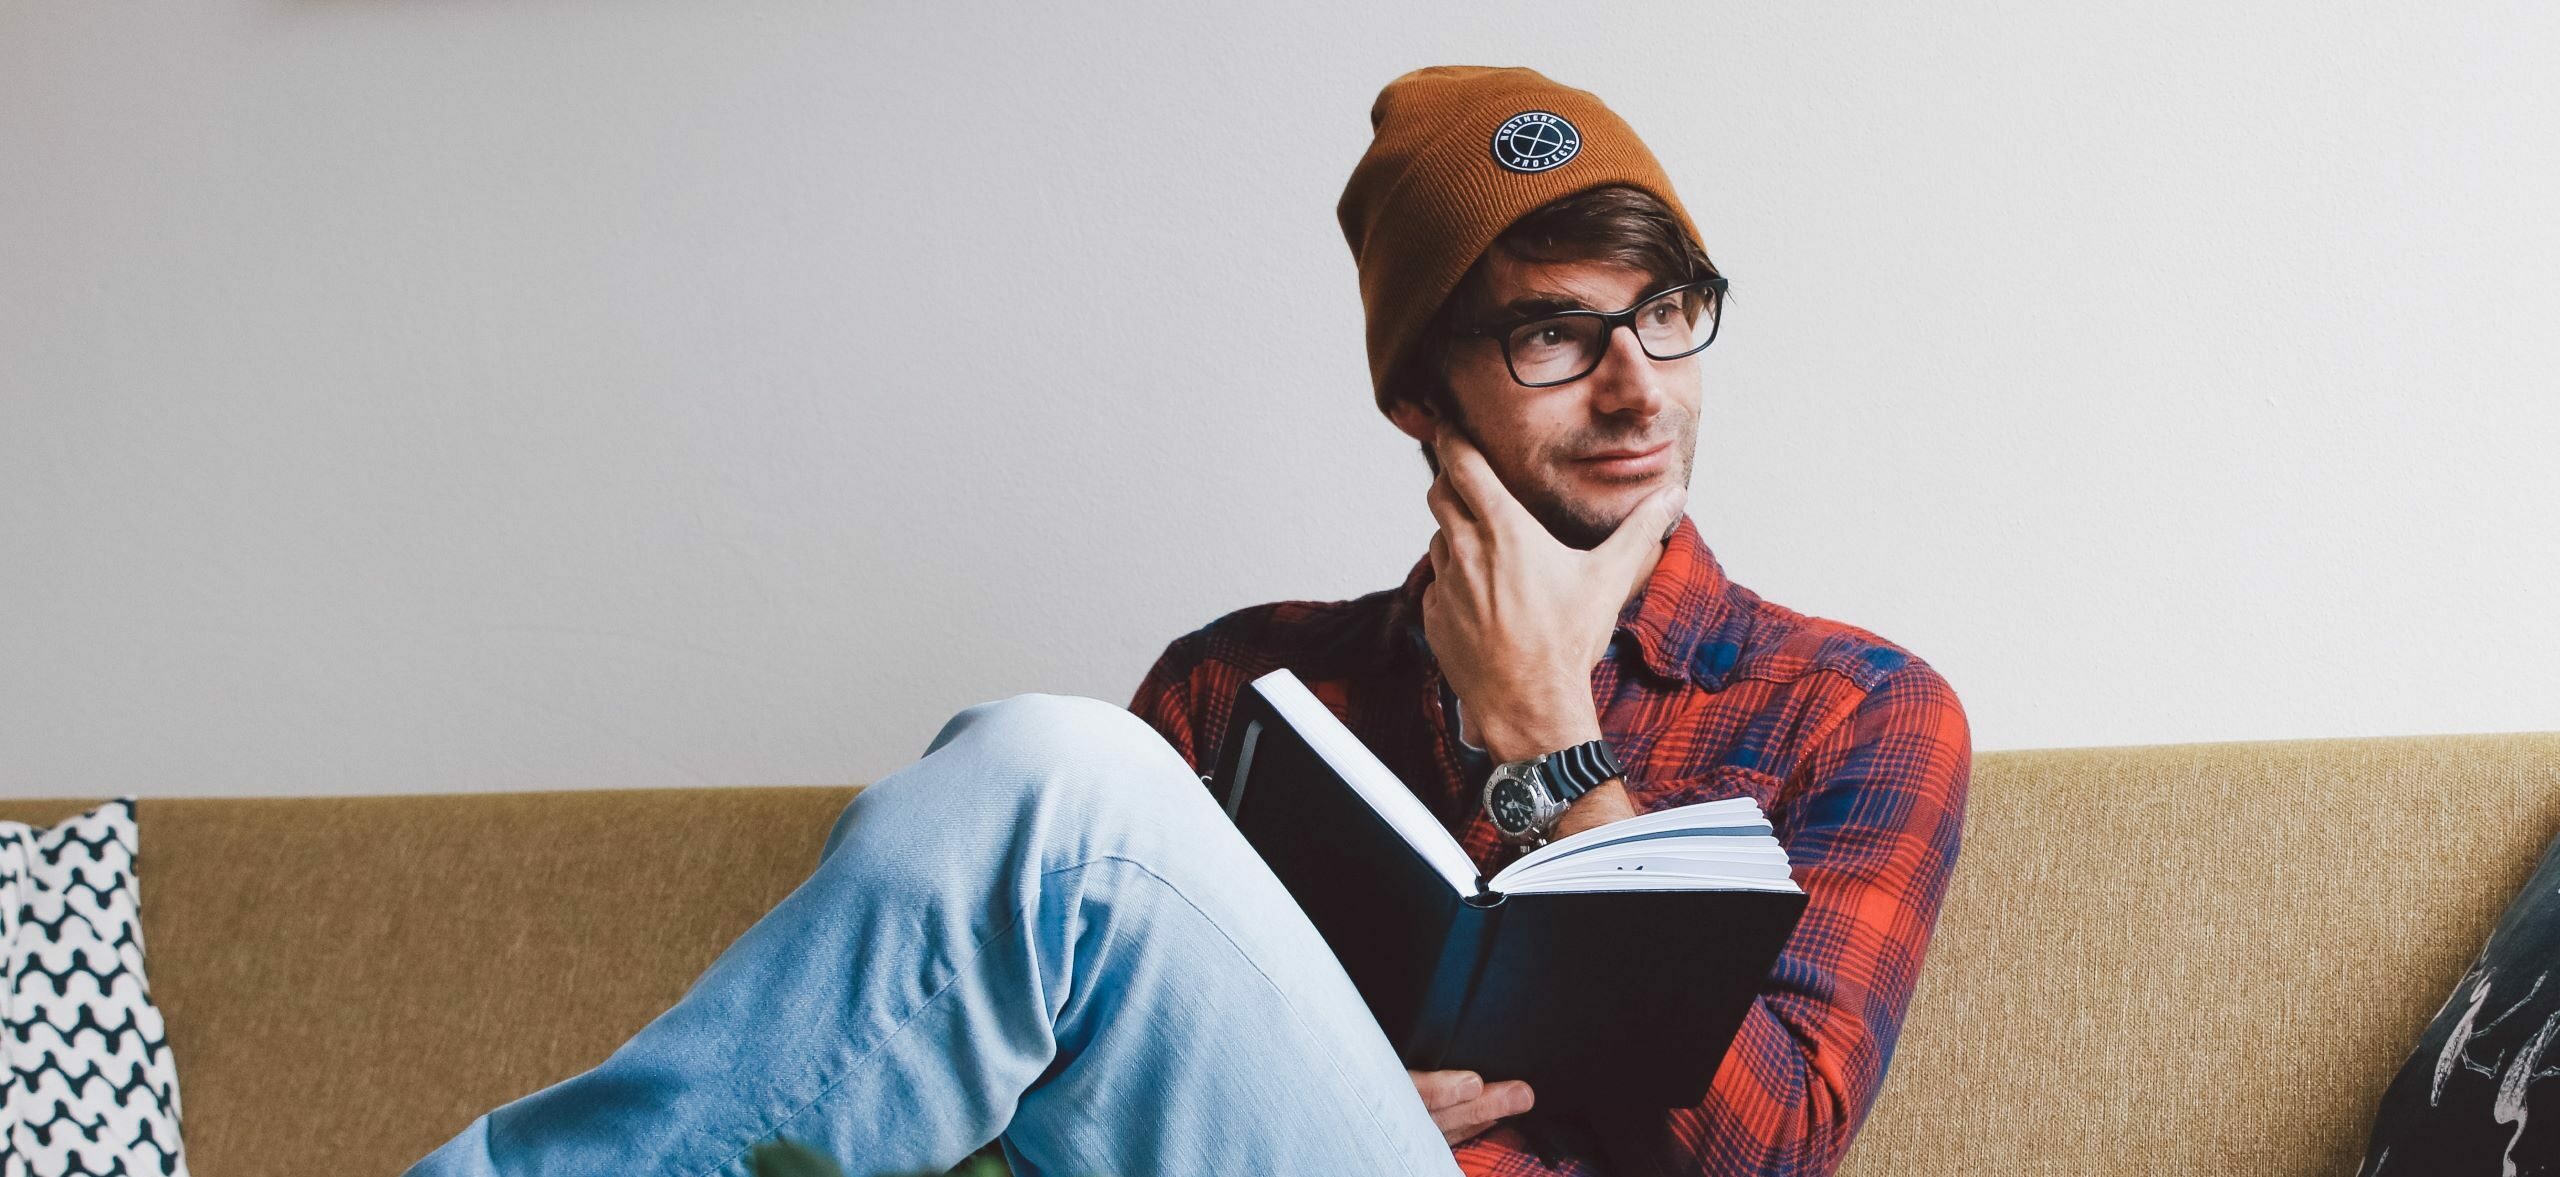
<point x="1546" y="300"/>
<point x="1539" y="302"/>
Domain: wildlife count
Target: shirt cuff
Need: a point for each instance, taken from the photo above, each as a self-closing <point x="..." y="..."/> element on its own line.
<point x="1463" y="741"/>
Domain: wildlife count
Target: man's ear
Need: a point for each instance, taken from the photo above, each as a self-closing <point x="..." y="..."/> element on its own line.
<point x="1415" y="419"/>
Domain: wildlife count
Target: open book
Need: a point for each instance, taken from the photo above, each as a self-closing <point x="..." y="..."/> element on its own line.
<point x="1609" y="966"/>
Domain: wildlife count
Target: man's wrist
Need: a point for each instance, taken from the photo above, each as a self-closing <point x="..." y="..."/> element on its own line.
<point x="1507" y="742"/>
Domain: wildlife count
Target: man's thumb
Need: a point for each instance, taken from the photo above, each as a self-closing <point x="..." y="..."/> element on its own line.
<point x="1645" y="525"/>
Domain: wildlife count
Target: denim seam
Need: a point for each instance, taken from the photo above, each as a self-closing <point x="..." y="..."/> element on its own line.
<point x="850" y="1069"/>
<point x="1015" y="922"/>
<point x="1331" y="1058"/>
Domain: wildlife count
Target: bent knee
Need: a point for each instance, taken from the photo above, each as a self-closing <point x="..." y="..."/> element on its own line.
<point x="1074" y="723"/>
<point x="1077" y="741"/>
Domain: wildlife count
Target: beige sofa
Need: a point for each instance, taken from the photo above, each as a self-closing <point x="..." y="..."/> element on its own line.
<point x="2198" y="958"/>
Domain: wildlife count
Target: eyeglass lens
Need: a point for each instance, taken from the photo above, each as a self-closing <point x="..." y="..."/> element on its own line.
<point x="1566" y="346"/>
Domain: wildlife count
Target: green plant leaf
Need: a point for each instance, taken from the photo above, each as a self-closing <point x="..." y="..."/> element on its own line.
<point x="787" y="1158"/>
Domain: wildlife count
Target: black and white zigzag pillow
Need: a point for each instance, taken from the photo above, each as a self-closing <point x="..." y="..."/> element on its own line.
<point x="91" y="1087"/>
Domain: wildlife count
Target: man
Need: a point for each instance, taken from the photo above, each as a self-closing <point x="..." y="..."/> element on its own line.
<point x="1045" y="931"/>
<point x="1547" y="614"/>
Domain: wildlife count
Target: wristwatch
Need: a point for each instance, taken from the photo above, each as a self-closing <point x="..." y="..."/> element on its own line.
<point x="1525" y="797"/>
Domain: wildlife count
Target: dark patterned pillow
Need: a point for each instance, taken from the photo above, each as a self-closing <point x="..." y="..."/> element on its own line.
<point x="90" y="1086"/>
<point x="2473" y="1098"/>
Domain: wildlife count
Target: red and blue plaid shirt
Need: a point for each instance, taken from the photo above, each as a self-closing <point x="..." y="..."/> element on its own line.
<point x="1858" y="751"/>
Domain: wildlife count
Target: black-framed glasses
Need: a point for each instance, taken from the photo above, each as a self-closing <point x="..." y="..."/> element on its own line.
<point x="1560" y="347"/>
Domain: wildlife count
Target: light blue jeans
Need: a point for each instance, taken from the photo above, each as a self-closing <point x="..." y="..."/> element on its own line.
<point x="1045" y="930"/>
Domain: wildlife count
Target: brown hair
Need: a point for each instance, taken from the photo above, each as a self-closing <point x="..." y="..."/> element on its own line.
<point x="1615" y="223"/>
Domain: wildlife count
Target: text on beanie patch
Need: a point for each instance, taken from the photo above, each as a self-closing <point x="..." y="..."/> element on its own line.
<point x="1535" y="141"/>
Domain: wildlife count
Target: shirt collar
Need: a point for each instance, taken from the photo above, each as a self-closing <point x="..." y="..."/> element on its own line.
<point x="1685" y="604"/>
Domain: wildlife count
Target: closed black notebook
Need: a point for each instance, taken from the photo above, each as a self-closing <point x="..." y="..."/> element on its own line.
<point x="1613" y="966"/>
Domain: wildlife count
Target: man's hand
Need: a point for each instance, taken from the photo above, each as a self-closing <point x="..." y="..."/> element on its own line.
<point x="1516" y="618"/>
<point x="1598" y="807"/>
<point x="1463" y="1104"/>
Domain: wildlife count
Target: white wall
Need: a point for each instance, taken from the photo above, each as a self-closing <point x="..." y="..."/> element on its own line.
<point x="419" y="396"/>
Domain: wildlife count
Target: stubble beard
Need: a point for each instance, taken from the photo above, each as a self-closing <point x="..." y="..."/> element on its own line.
<point x="1577" y="522"/>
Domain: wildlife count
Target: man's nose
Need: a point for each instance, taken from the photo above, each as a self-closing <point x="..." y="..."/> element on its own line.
<point x="1626" y="378"/>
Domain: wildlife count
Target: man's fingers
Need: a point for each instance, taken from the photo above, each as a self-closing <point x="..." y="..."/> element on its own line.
<point x="1468" y="1117"/>
<point x="1507" y="1098"/>
<point x="1445" y="505"/>
<point x="1442" y="1089"/>
<point x="1643" y="527"/>
<point x="1462" y="1104"/>
<point x="1477" y="486"/>
<point x="1460" y="533"/>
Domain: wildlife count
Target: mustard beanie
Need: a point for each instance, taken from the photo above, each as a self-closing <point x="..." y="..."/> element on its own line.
<point x="1457" y="153"/>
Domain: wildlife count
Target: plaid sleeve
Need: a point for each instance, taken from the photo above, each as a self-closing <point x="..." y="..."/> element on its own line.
<point x="1870" y="821"/>
<point x="1164" y="697"/>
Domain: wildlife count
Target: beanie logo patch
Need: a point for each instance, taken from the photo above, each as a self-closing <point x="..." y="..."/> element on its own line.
<point x="1535" y="141"/>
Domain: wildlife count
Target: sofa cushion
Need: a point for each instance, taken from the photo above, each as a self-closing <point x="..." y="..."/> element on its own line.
<point x="2465" y="1101"/>
<point x="90" y="1086"/>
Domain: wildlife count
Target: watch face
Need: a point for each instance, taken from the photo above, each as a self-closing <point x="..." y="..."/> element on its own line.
<point x="1513" y="807"/>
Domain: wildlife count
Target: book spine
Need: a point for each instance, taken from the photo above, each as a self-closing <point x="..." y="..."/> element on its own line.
<point x="1453" y="980"/>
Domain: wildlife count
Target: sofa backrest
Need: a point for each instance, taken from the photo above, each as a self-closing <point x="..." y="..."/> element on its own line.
<point x="2168" y="958"/>
<point x="348" y="981"/>
<point x="2201" y="958"/>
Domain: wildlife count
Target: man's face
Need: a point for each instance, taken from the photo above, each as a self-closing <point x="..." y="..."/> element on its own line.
<point x="1542" y="441"/>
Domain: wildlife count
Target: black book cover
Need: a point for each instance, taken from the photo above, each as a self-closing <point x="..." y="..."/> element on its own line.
<point x="1593" y="997"/>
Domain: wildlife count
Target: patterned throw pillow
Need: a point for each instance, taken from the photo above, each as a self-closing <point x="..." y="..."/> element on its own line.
<point x="2476" y="1095"/>
<point x="90" y="1087"/>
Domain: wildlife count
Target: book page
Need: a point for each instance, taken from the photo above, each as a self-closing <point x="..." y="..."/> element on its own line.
<point x="1727" y="842"/>
<point x="1740" y="855"/>
<point x="1649" y="881"/>
<point x="1375" y="783"/>
<point x="1740" y="815"/>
